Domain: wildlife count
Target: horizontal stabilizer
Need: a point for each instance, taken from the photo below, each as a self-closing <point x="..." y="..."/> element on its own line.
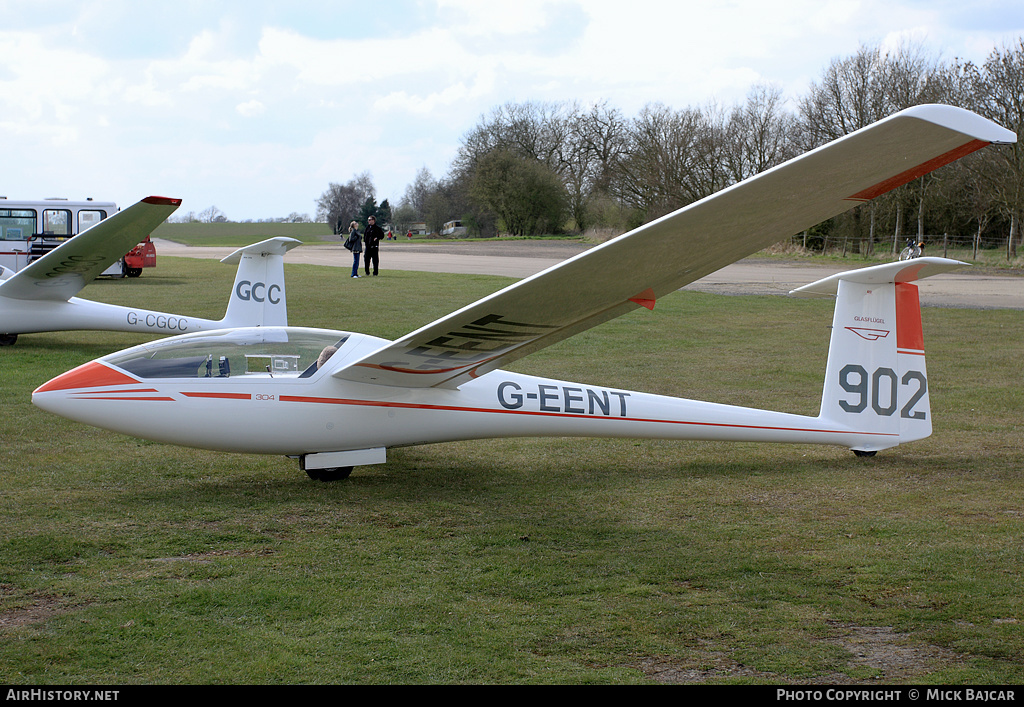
<point x="901" y="271"/>
<point x="272" y="246"/>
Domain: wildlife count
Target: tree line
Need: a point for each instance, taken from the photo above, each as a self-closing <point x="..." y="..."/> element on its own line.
<point x="212" y="214"/>
<point x="532" y="168"/>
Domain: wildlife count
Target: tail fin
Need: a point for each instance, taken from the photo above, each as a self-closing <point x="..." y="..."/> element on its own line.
<point x="875" y="379"/>
<point x="258" y="297"/>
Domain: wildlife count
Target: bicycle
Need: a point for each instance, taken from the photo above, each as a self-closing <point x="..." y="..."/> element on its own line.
<point x="914" y="249"/>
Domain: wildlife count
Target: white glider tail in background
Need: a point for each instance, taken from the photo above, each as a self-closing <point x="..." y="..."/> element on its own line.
<point x="40" y="297"/>
<point x="264" y="390"/>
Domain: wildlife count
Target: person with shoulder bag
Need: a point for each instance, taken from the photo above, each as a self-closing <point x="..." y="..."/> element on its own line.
<point x="355" y="244"/>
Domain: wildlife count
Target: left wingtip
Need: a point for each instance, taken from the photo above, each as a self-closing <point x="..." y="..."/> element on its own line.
<point x="161" y="201"/>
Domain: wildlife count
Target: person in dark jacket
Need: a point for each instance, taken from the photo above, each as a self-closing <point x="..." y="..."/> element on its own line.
<point x="371" y="241"/>
<point x="354" y="244"/>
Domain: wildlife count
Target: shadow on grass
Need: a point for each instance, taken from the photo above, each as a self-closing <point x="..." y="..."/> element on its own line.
<point x="492" y="472"/>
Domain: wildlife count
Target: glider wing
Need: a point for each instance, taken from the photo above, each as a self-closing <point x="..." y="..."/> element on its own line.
<point x="637" y="268"/>
<point x="64" y="271"/>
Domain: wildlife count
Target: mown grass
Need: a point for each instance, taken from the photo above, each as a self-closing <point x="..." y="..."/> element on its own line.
<point x="525" y="561"/>
<point x="232" y="234"/>
<point x="236" y="235"/>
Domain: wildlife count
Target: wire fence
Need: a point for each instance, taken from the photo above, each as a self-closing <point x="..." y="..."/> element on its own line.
<point x="966" y="248"/>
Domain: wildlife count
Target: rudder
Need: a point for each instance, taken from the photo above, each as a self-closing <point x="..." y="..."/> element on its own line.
<point x="876" y="381"/>
<point x="258" y="294"/>
<point x="861" y="391"/>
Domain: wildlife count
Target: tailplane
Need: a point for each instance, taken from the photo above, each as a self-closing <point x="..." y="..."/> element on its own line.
<point x="258" y="296"/>
<point x="876" y="382"/>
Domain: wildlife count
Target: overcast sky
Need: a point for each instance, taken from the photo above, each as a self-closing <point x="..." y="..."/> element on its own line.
<point x="255" y="106"/>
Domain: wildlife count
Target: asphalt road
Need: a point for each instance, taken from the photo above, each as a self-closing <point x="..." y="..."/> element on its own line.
<point x="518" y="259"/>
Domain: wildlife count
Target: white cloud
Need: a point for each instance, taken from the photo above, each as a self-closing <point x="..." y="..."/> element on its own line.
<point x="250" y="109"/>
<point x="175" y="114"/>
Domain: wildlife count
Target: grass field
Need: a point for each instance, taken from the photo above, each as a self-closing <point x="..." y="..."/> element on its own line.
<point x="236" y="235"/>
<point x="230" y="235"/>
<point x="525" y="561"/>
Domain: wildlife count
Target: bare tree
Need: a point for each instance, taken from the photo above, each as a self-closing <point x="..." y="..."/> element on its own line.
<point x="656" y="173"/>
<point x="212" y="214"/>
<point x="340" y="204"/>
<point x="1001" y="95"/>
<point x="710" y="165"/>
<point x="598" y="142"/>
<point x="417" y="193"/>
<point x="760" y="133"/>
<point x="859" y="90"/>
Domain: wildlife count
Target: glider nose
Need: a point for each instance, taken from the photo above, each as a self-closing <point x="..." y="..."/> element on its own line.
<point x="54" y="395"/>
<point x="89" y="375"/>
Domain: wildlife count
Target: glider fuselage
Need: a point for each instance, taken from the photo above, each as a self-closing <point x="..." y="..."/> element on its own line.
<point x="284" y="412"/>
<point x="32" y="316"/>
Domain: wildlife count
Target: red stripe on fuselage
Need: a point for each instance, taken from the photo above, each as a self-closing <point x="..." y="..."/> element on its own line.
<point x="227" y="396"/>
<point x="103" y="396"/>
<point x="455" y="408"/>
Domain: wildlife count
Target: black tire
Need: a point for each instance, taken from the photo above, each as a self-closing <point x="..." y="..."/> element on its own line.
<point x="863" y="453"/>
<point x="334" y="473"/>
<point x="8" y="339"/>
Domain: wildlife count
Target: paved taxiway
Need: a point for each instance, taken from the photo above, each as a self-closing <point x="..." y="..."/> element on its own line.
<point x="519" y="259"/>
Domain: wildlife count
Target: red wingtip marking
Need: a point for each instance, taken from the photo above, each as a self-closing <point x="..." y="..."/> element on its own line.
<point x="161" y="201"/>
<point x="912" y="174"/>
<point x="88" y="375"/>
<point x="644" y="299"/>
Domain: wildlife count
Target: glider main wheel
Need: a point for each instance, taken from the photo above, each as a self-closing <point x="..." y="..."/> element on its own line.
<point x="8" y="339"/>
<point x="862" y="453"/>
<point x="334" y="473"/>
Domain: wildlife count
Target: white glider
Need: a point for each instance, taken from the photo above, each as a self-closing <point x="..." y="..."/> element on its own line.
<point x="275" y="390"/>
<point x="40" y="297"/>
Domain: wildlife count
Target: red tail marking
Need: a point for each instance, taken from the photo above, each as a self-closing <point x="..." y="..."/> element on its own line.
<point x="908" y="318"/>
